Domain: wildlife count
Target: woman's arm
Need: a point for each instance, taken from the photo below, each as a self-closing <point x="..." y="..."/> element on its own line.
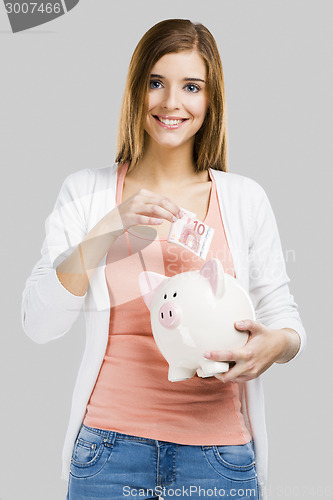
<point x="274" y="305"/>
<point x="278" y="334"/>
<point x="56" y="289"/>
<point x="264" y="347"/>
<point x="292" y="345"/>
<point x="76" y="270"/>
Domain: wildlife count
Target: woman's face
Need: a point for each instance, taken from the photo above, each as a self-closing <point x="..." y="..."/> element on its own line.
<point x="177" y="90"/>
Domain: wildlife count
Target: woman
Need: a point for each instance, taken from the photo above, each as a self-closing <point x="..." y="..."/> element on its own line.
<point x="131" y="431"/>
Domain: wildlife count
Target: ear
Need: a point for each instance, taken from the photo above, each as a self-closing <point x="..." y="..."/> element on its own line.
<point x="149" y="282"/>
<point x="214" y="272"/>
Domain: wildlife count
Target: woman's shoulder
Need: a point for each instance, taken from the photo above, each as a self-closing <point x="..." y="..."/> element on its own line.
<point x="239" y="183"/>
<point x="88" y="180"/>
<point x="93" y="174"/>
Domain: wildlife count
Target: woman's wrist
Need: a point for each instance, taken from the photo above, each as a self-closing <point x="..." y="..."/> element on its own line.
<point x="290" y="345"/>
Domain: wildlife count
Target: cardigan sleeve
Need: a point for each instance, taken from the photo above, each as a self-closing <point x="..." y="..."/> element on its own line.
<point x="48" y="309"/>
<point x="268" y="280"/>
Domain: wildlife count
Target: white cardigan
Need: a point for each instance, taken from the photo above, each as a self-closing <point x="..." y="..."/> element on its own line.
<point x="49" y="310"/>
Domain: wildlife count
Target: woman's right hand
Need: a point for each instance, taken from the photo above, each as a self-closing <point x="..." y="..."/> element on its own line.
<point x="146" y="207"/>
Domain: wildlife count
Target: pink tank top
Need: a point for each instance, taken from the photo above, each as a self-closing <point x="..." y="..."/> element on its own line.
<point x="132" y="393"/>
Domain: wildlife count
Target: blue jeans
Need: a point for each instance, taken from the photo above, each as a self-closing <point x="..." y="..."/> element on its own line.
<point x="114" y="466"/>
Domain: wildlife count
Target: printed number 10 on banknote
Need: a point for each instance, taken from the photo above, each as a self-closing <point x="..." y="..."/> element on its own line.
<point x="191" y="233"/>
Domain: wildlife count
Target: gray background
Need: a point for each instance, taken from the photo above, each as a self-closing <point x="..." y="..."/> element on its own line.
<point x="61" y="87"/>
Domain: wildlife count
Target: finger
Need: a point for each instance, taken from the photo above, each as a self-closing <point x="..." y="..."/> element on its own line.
<point x="240" y="354"/>
<point x="244" y="324"/>
<point x="239" y="379"/>
<point x="153" y="212"/>
<point x="166" y="211"/>
<point x="162" y="201"/>
<point x="235" y="374"/>
<point x="162" y="212"/>
<point x="248" y="324"/>
<point x="220" y="355"/>
<point x="174" y="209"/>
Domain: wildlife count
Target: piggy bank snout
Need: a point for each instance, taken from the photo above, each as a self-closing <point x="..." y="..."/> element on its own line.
<point x="169" y="315"/>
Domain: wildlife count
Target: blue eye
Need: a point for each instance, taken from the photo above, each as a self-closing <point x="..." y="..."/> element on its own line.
<point x="152" y="82"/>
<point x="195" y="86"/>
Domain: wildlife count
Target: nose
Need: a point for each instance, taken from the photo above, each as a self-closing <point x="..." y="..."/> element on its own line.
<point x="171" y="99"/>
<point x="169" y="315"/>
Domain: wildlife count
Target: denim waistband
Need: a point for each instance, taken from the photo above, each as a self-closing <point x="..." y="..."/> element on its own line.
<point x="111" y="436"/>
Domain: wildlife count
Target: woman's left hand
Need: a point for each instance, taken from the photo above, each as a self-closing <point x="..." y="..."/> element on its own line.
<point x="264" y="347"/>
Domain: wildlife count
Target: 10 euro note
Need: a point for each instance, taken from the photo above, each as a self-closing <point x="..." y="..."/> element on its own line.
<point x="191" y="233"/>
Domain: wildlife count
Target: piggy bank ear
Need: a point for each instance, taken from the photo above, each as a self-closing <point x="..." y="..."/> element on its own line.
<point x="214" y="272"/>
<point x="149" y="282"/>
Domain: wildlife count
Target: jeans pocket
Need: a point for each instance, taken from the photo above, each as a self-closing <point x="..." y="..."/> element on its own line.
<point x="238" y="457"/>
<point x="234" y="462"/>
<point x="90" y="453"/>
<point x="85" y="452"/>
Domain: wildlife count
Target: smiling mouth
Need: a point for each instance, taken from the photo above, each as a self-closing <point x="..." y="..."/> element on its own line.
<point x="170" y="122"/>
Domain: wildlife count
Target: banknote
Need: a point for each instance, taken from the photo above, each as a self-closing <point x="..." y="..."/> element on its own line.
<point x="191" y="233"/>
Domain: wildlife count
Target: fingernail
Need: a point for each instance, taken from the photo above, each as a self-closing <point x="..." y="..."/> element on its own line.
<point x="174" y="218"/>
<point x="207" y="355"/>
<point x="240" y="323"/>
<point x="180" y="214"/>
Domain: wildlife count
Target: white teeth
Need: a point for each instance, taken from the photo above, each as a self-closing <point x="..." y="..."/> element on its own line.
<point x="170" y="122"/>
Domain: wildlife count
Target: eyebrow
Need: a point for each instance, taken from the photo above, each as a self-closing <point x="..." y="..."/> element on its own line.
<point x="184" y="79"/>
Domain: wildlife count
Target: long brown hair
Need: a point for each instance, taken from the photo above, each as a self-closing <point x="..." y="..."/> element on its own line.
<point x="174" y="35"/>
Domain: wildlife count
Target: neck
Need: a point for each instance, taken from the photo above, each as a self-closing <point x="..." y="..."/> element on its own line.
<point x="161" y="166"/>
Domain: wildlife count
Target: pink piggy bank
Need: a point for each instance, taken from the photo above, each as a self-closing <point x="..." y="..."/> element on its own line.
<point x="194" y="312"/>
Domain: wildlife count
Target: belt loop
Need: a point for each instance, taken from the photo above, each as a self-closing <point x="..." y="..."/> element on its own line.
<point x="110" y="438"/>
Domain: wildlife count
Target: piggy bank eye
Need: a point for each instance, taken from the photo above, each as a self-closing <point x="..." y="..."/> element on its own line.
<point x="175" y="294"/>
<point x="165" y="296"/>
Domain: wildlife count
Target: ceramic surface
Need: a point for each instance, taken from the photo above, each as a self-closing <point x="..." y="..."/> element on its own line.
<point x="193" y="312"/>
